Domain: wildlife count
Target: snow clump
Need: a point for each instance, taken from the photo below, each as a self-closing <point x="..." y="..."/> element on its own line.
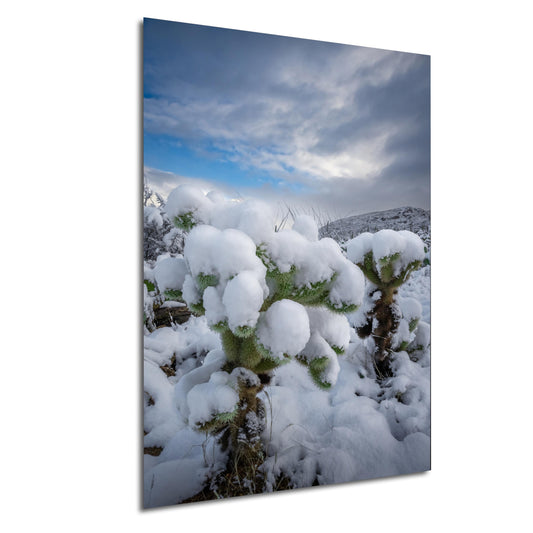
<point x="170" y="273"/>
<point x="243" y="297"/>
<point x="284" y="328"/>
<point x="211" y="399"/>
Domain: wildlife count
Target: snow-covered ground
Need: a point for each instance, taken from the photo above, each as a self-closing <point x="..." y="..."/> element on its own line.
<point x="358" y="429"/>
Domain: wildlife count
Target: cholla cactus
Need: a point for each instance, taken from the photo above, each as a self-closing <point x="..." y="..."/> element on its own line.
<point x="271" y="295"/>
<point x="387" y="259"/>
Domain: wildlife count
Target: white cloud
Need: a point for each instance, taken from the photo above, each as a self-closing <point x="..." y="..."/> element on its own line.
<point x="318" y="116"/>
<point x="276" y="127"/>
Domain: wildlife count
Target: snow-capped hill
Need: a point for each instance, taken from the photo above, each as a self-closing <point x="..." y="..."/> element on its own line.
<point x="401" y="218"/>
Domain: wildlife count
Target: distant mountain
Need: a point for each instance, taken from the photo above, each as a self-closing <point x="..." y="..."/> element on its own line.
<point x="401" y="218"/>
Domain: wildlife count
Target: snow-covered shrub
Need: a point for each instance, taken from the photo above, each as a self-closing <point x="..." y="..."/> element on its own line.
<point x="387" y="259"/>
<point x="271" y="295"/>
<point x="160" y="235"/>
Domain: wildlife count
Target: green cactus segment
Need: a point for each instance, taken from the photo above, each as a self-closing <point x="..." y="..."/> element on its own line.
<point x="341" y="308"/>
<point x="284" y="282"/>
<point x="218" y="422"/>
<point x="403" y="346"/>
<point x="387" y="267"/>
<point x="384" y="277"/>
<point x="243" y="332"/>
<point x="269" y="363"/>
<point x="247" y="352"/>
<point x="281" y="285"/>
<point x="369" y="269"/>
<point x="220" y="327"/>
<point x="412" y="324"/>
<point x="197" y="308"/>
<point x="314" y="294"/>
<point x="249" y="356"/>
<point x="173" y="294"/>
<point x="263" y="350"/>
<point x="186" y="221"/>
<point x="231" y="345"/>
<point x="317" y="368"/>
<point x="206" y="280"/>
<point x="404" y="274"/>
<point x="262" y="253"/>
<point x="149" y="285"/>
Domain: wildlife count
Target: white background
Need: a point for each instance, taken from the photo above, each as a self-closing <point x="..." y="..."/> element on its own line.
<point x="71" y="169"/>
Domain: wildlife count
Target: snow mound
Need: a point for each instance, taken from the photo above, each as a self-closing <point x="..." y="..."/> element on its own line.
<point x="342" y="435"/>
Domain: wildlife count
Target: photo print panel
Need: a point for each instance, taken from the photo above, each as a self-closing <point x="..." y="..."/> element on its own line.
<point x="286" y="263"/>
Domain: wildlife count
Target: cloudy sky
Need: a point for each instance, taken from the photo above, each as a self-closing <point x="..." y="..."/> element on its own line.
<point x="342" y="129"/>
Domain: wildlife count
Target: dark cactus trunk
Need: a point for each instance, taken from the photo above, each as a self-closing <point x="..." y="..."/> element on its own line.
<point x="244" y="435"/>
<point x="387" y="320"/>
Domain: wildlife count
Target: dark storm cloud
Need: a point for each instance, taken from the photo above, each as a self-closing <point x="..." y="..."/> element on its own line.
<point x="351" y="124"/>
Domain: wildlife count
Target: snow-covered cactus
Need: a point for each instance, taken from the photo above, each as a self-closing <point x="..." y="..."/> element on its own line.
<point x="260" y="298"/>
<point x="387" y="259"/>
<point x="271" y="296"/>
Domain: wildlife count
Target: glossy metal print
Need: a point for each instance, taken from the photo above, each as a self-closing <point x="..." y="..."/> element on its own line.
<point x="286" y="263"/>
